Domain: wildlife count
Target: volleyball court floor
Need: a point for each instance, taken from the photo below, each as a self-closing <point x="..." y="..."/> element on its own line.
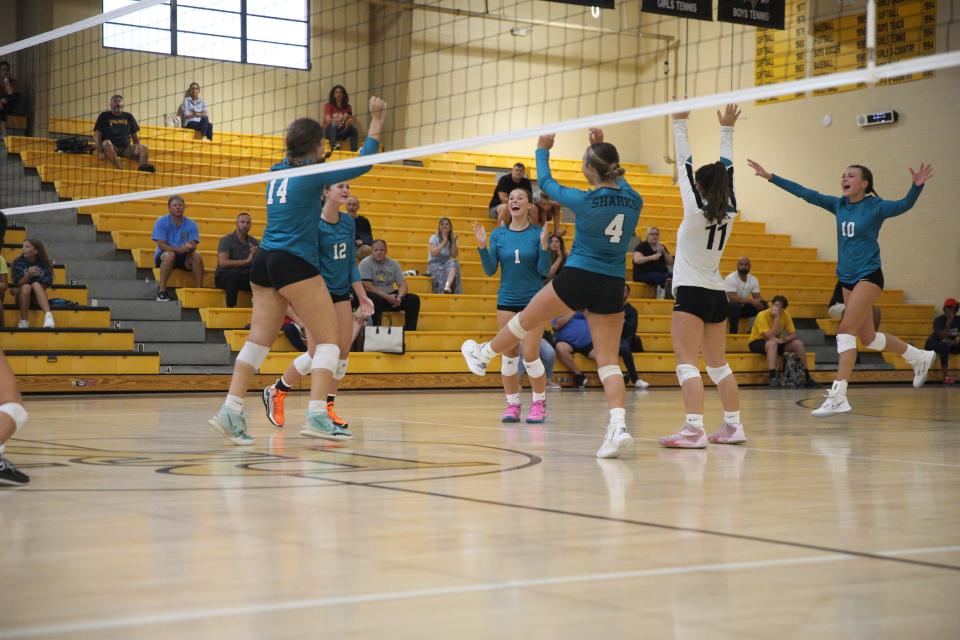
<point x="438" y="521"/>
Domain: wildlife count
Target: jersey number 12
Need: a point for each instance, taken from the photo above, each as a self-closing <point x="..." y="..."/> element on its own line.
<point x="340" y="251"/>
<point x="713" y="233"/>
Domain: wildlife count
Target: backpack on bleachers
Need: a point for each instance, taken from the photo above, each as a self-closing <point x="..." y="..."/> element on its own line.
<point x="74" y="144"/>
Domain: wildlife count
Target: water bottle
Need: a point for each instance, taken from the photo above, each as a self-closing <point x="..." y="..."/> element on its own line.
<point x="661" y="293"/>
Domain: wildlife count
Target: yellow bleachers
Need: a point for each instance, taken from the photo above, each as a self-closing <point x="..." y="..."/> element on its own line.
<point x="80" y="318"/>
<point x="79" y="363"/>
<point x="61" y="339"/>
<point x="896" y="327"/>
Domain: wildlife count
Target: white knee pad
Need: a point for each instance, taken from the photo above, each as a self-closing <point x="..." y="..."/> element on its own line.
<point x="608" y="370"/>
<point x="846" y="342"/>
<point x="879" y="342"/>
<point x="302" y="363"/>
<point x="719" y="373"/>
<point x="16" y="412"/>
<point x="253" y="354"/>
<point x="686" y="372"/>
<point x="325" y="356"/>
<point x="509" y="366"/>
<point x="341" y="371"/>
<point x="535" y="369"/>
<point x="515" y="327"/>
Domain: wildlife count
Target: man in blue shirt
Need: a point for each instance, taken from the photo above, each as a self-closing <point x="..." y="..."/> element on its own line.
<point x="572" y="334"/>
<point x="177" y="238"/>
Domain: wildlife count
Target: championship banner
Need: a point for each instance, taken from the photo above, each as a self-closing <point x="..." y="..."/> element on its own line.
<point x="695" y="9"/>
<point x="757" y="13"/>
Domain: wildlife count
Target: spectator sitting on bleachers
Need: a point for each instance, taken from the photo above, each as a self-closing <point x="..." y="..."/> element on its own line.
<point x="572" y="335"/>
<point x="364" y="234"/>
<point x="558" y="255"/>
<point x="442" y="265"/>
<point x="630" y="342"/>
<point x="235" y="253"/>
<point x="30" y="276"/>
<point x="177" y="238"/>
<point x="338" y="119"/>
<point x="945" y="338"/>
<point x="507" y="183"/>
<point x="650" y="262"/>
<point x="549" y="210"/>
<point x="743" y="294"/>
<point x="194" y="112"/>
<point x="773" y="333"/>
<point x="384" y="282"/>
<point x="9" y="97"/>
<point x="114" y="132"/>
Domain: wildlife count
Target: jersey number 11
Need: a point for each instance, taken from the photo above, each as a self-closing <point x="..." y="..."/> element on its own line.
<point x="713" y="233"/>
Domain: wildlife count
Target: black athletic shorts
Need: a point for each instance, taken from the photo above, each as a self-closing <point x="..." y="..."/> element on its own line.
<point x="505" y="307"/>
<point x="876" y="278"/>
<point x="584" y="290"/>
<point x="340" y="297"/>
<point x="760" y="346"/>
<point x="179" y="261"/>
<point x="277" y="269"/>
<point x="710" y="305"/>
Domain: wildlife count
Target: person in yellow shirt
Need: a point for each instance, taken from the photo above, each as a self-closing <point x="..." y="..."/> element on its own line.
<point x="773" y="333"/>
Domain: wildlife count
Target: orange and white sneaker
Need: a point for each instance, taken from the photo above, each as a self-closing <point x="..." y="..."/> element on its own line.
<point x="273" y="403"/>
<point x="687" y="438"/>
<point x="728" y="434"/>
<point x="334" y="418"/>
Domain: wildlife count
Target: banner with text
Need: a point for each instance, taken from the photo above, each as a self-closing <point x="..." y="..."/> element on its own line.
<point x="696" y="9"/>
<point x="758" y="13"/>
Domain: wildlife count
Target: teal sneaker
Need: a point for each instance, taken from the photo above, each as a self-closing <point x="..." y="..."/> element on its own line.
<point x="233" y="426"/>
<point x="319" y="425"/>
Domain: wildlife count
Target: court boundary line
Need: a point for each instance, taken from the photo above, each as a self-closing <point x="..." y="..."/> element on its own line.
<point x="388" y="596"/>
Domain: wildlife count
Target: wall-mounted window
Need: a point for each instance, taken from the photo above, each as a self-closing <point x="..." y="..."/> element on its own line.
<point x="269" y="32"/>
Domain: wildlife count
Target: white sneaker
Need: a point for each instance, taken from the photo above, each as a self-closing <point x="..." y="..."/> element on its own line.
<point x="640" y="384"/>
<point x="922" y="368"/>
<point x="48" y="322"/>
<point x="23" y="324"/>
<point x="471" y="353"/>
<point x="617" y="441"/>
<point x="835" y="403"/>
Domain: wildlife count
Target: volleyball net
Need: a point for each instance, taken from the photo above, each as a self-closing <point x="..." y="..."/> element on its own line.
<point x="457" y="75"/>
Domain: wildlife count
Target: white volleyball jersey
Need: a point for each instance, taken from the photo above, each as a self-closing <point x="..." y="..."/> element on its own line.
<point x="700" y="244"/>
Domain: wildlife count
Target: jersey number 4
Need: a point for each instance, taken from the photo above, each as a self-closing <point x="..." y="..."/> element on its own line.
<point x="614" y="230"/>
<point x="281" y="192"/>
<point x="713" y="234"/>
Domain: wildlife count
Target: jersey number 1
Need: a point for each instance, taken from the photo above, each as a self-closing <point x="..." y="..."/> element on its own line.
<point x="614" y="230"/>
<point x="281" y="192"/>
<point x="713" y="233"/>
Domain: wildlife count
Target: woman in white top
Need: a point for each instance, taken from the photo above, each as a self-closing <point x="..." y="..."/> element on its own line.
<point x="699" y="322"/>
<point x="194" y="112"/>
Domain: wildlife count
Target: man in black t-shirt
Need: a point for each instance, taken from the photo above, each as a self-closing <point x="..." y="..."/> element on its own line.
<point x="115" y="134"/>
<point x="507" y="183"/>
<point x="945" y="338"/>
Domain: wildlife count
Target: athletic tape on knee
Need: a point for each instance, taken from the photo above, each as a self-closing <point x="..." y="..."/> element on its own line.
<point x="509" y="366"/>
<point x="253" y="354"/>
<point x="719" y="373"/>
<point x="607" y="371"/>
<point x="686" y="372"/>
<point x="535" y="369"/>
<point x="515" y="327"/>
<point x="879" y="342"/>
<point x="846" y="342"/>
<point x="325" y="356"/>
<point x="302" y="363"/>
<point x="16" y="412"/>
<point x="341" y="371"/>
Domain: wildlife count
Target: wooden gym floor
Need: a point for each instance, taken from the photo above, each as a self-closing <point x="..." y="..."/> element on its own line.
<point x="439" y="522"/>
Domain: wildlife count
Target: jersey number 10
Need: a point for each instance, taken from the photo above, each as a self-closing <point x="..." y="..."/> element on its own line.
<point x="713" y="232"/>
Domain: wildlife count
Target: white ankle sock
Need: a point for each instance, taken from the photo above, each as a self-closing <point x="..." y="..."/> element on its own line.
<point x="912" y="354"/>
<point x="513" y="398"/>
<point x="840" y="387"/>
<point x="539" y="397"/>
<point x="695" y="420"/>
<point x="486" y="353"/>
<point x="618" y="415"/>
<point x="234" y="404"/>
<point x="317" y="406"/>
<point x="731" y="417"/>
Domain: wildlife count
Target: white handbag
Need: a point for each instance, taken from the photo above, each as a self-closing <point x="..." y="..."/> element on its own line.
<point x="388" y="339"/>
